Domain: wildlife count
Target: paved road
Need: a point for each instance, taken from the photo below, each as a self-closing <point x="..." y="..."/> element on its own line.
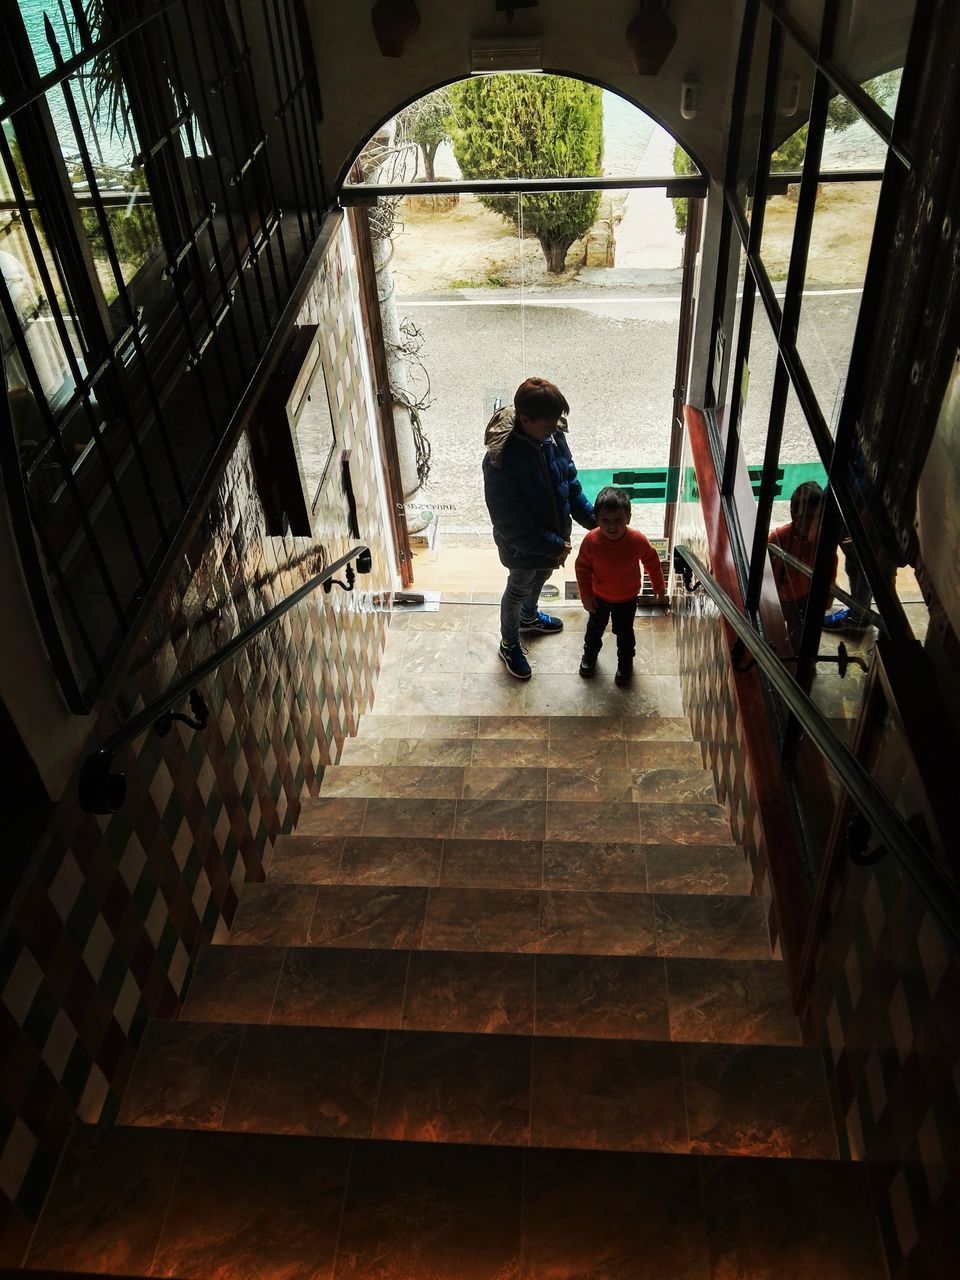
<point x="613" y="353"/>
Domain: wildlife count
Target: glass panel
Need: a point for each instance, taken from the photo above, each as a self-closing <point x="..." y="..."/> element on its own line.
<point x="840" y="241"/>
<point x="753" y="112"/>
<point x="848" y="141"/>
<point x="757" y="387"/>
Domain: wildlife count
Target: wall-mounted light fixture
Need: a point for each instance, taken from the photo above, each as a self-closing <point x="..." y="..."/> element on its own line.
<point x="689" y="97"/>
<point x="650" y="37"/>
<point x="395" y="23"/>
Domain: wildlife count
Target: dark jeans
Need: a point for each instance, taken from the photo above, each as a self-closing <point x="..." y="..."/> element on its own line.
<point x="520" y="599"/>
<point x="623" y="612"/>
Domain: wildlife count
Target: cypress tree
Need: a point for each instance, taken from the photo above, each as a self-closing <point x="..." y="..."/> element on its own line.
<point x="532" y="126"/>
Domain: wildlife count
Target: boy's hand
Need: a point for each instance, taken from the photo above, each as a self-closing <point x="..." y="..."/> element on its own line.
<point x="562" y="558"/>
<point x="660" y="598"/>
<point x="589" y="603"/>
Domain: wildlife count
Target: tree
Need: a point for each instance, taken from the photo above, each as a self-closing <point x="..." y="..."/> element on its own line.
<point x="531" y="126"/>
<point x="841" y="114"/>
<point x="684" y="165"/>
<point x="426" y="123"/>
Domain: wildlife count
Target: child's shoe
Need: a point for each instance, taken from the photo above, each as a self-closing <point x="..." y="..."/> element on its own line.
<point x="514" y="658"/>
<point x="624" y="672"/>
<point x="588" y="666"/>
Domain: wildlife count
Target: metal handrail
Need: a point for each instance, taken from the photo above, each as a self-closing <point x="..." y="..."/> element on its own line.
<point x="937" y="891"/>
<point x="100" y="789"/>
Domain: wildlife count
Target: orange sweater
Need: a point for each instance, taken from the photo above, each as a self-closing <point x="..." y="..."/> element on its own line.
<point x="611" y="570"/>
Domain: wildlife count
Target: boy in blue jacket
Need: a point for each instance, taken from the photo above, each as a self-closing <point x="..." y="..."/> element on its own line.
<point x="533" y="495"/>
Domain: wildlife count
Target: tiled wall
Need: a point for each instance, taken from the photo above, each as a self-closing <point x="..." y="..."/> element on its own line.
<point x="103" y="930"/>
<point x="885" y="998"/>
<point x="886" y="1001"/>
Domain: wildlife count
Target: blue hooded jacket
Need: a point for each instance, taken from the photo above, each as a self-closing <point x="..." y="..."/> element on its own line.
<point x="532" y="493"/>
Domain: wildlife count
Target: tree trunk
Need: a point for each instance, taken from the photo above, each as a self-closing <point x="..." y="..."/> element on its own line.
<point x="555" y="252"/>
<point x="429" y="155"/>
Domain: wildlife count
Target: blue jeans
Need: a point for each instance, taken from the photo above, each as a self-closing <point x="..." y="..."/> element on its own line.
<point x="520" y="599"/>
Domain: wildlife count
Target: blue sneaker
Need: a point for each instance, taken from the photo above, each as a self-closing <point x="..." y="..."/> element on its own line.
<point x="514" y="659"/>
<point x="544" y="622"/>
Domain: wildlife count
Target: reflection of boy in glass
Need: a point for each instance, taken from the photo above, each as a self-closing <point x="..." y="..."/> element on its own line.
<point x="798" y="539"/>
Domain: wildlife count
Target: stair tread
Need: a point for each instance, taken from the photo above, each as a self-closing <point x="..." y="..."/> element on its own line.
<point x="510" y="1090"/>
<point x="521" y="752"/>
<point x="542" y="727"/>
<point x="610" y="997"/>
<point x="517" y="864"/>
<point x="597" y="922"/>
<point x="565" y="783"/>
<point x="245" y="1204"/>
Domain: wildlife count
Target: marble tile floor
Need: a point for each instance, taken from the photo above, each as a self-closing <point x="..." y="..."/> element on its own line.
<point x="503" y="1009"/>
<point x="201" y="1204"/>
<point x="577" y="1092"/>
<point x="614" y="997"/>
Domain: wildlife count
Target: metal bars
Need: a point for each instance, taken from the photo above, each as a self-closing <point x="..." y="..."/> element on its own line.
<point x="151" y="289"/>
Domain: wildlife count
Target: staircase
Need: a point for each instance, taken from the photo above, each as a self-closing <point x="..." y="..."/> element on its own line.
<point x="504" y="1007"/>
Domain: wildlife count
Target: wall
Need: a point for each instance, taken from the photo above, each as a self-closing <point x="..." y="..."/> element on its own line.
<point x="101" y="934"/>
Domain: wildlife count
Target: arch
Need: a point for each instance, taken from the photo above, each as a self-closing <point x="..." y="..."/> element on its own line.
<point x="345" y="169"/>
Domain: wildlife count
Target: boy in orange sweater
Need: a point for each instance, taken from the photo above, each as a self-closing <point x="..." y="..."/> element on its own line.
<point x="608" y="575"/>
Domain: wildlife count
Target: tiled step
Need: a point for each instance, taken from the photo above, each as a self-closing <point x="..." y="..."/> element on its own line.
<point x="521" y="753"/>
<point x="583" y="922"/>
<point x="509" y="864"/>
<point x="648" y="785"/>
<point x="608" y="997"/>
<point x="573" y="730"/>
<point x="484" y="818"/>
<point x="502" y="1090"/>
<point x="225" y="1204"/>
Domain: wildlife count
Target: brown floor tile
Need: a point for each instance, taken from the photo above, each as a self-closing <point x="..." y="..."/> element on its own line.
<point x="450" y="1212"/>
<point x="390" y="860"/>
<point x="663" y="754"/>
<point x="592" y="820"/>
<point x="657" y="728"/>
<point x="470" y="991"/>
<point x="305" y="860"/>
<point x="368" y="916"/>
<point x="730" y="1001"/>
<point x="233" y="984"/>
<point x="255" y="1205"/>
<point x="336" y="816"/>
<point x="587" y="752"/>
<point x="424" y="818"/>
<point x="422" y="782"/>
<point x="616" y="1095"/>
<point x="590" y="782"/>
<point x="85" y="1224"/>
<point x="793" y="1219"/>
<point x="448" y="1087"/>
<point x="758" y="1100"/>
<point x="570" y="731"/>
<point x="330" y="987"/>
<point x="592" y="1215"/>
<point x="369" y="751"/>
<point x="514" y="727"/>
<point x="449" y="752"/>
<point x="697" y="869"/>
<point x="506" y="782"/>
<point x="673" y="786"/>
<point x="440" y="726"/>
<point x="500" y="819"/>
<point x="182" y="1075"/>
<point x="273" y="914"/>
<point x="306" y="1080"/>
<point x="606" y="997"/>
<point x="684" y="824"/>
<point x="594" y="865"/>
<point x="597" y="922"/>
<point x="482" y="920"/>
<point x="493" y="753"/>
<point x="351" y="780"/>
<point x="723" y="928"/>
<point x="491" y="864"/>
